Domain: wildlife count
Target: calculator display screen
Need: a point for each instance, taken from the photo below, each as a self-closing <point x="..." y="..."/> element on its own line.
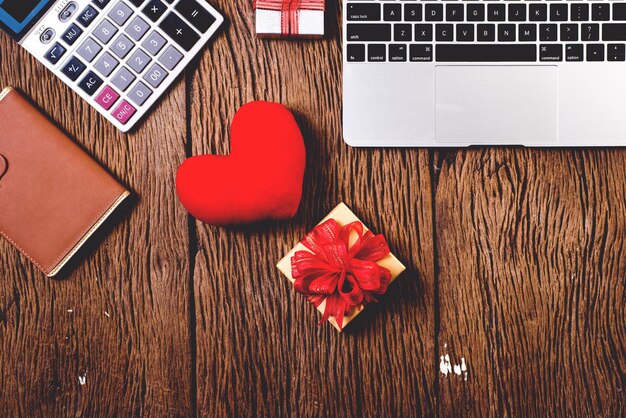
<point x="18" y="16"/>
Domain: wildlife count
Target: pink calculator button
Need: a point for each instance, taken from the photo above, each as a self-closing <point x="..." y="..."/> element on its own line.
<point x="124" y="112"/>
<point x="107" y="98"/>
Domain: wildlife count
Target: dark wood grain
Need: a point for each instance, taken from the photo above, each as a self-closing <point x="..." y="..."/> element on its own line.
<point x="128" y="332"/>
<point x="531" y="252"/>
<point x="259" y="349"/>
<point x="515" y="263"/>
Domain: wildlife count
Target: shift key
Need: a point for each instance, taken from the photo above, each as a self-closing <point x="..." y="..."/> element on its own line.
<point x="369" y="32"/>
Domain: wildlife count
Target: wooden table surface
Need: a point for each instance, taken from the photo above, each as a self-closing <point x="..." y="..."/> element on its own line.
<point x="516" y="266"/>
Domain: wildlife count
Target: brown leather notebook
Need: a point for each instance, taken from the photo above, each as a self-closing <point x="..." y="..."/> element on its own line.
<point x="53" y="196"/>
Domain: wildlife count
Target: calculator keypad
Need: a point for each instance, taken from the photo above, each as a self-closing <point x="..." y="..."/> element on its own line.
<point x="127" y="49"/>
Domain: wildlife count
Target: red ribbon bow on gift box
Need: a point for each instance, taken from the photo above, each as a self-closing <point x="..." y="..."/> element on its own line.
<point x="289" y="11"/>
<point x="344" y="275"/>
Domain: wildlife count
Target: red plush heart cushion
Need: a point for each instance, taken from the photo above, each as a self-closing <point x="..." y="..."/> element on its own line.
<point x="261" y="178"/>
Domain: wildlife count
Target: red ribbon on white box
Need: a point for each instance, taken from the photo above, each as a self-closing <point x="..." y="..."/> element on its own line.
<point x="290" y="10"/>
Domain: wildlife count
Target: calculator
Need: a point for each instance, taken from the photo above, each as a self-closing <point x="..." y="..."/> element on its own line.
<point x="119" y="55"/>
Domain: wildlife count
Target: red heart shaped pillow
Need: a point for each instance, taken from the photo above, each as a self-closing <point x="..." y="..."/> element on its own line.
<point x="261" y="178"/>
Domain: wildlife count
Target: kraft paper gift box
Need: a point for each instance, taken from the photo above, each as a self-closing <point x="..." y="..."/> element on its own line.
<point x="289" y="18"/>
<point x="343" y="216"/>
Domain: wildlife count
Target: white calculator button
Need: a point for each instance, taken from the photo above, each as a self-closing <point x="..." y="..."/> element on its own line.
<point x="105" y="31"/>
<point x="106" y="64"/>
<point x="122" y="46"/>
<point x="154" y="43"/>
<point x="139" y="93"/>
<point x="170" y="58"/>
<point x="137" y="28"/>
<point x="89" y="49"/>
<point x="121" y="13"/>
<point x="123" y="78"/>
<point x="155" y="75"/>
<point x="139" y="61"/>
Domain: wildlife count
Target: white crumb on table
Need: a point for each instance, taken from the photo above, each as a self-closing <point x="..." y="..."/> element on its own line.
<point x="107" y="314"/>
<point x="446" y="367"/>
<point x="70" y="310"/>
<point x="82" y="379"/>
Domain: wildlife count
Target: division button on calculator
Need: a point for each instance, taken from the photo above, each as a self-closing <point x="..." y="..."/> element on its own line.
<point x="137" y="3"/>
<point x="123" y="78"/>
<point x="55" y="53"/>
<point x="155" y="75"/>
<point x="170" y="58"/>
<point x="89" y="49"/>
<point x="107" y="98"/>
<point x="106" y="64"/>
<point x="139" y="93"/>
<point x="154" y="10"/>
<point x="196" y="14"/>
<point x="124" y="112"/>
<point x="139" y="61"/>
<point x="137" y="28"/>
<point x="121" y="13"/>
<point x="72" y="34"/>
<point x="91" y="83"/>
<point x="74" y="68"/>
<point x="105" y="31"/>
<point x="179" y="31"/>
<point x="154" y="43"/>
<point x="122" y="46"/>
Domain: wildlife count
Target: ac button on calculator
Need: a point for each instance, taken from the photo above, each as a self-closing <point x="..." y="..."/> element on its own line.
<point x="118" y="55"/>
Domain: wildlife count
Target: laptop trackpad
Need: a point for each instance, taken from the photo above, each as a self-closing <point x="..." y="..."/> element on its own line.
<point x="497" y="104"/>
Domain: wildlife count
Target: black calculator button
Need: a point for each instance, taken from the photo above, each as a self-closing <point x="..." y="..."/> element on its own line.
<point x="179" y="31"/>
<point x="196" y="14"/>
<point x="72" y="34"/>
<point x="154" y="10"/>
<point x="74" y="68"/>
<point x="87" y="16"/>
<point x="101" y="3"/>
<point x="137" y="3"/>
<point x="91" y="83"/>
<point x="55" y="53"/>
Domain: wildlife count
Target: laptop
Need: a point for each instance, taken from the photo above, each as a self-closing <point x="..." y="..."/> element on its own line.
<point x="460" y="73"/>
<point x="118" y="55"/>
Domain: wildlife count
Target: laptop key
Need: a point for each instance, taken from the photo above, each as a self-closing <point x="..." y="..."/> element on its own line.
<point x="486" y="33"/>
<point x="590" y="32"/>
<point x="355" y="52"/>
<point x="547" y="32"/>
<point x="551" y="52"/>
<point x="392" y="12"/>
<point x="569" y="32"/>
<point x="397" y="52"/>
<point x="475" y="12"/>
<point x="616" y="52"/>
<point x="580" y="12"/>
<point x="527" y="32"/>
<point x="619" y="11"/>
<point x="595" y="52"/>
<point x="538" y="12"/>
<point x="421" y="52"/>
<point x="485" y="53"/>
<point x="433" y="12"/>
<point x="600" y="11"/>
<point x="444" y="32"/>
<point x="424" y="32"/>
<point x="412" y="12"/>
<point x="506" y="32"/>
<point x="614" y="31"/>
<point x="517" y="12"/>
<point x="369" y="32"/>
<point x="574" y="52"/>
<point x="465" y="33"/>
<point x="364" y="11"/>
<point x="377" y="53"/>
<point x="403" y="32"/>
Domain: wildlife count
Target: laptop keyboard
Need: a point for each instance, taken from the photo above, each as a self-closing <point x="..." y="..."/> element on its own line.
<point x="485" y="31"/>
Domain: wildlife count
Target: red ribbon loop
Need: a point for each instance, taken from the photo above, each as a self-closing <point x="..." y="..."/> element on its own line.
<point x="289" y="11"/>
<point x="342" y="273"/>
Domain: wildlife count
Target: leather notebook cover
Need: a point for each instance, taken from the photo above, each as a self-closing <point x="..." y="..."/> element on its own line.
<point x="53" y="196"/>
